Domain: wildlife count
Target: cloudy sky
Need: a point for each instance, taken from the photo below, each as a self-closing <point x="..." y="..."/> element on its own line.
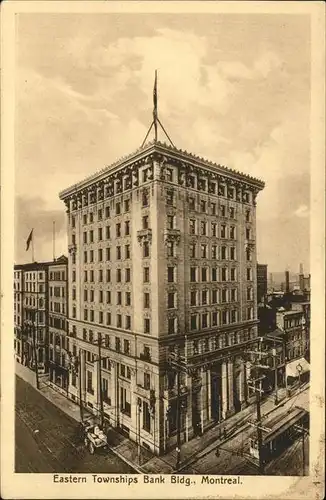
<point x="232" y="88"/>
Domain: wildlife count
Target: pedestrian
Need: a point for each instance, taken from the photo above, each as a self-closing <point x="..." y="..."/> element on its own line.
<point x="219" y="432"/>
<point x="217" y="452"/>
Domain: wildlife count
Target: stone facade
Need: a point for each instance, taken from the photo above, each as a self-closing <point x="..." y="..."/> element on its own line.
<point x="162" y="253"/>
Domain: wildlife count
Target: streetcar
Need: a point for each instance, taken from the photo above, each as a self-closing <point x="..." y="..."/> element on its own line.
<point x="278" y="434"/>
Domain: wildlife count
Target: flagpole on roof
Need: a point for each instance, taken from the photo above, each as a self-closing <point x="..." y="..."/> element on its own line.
<point x="33" y="246"/>
<point x="156" y="119"/>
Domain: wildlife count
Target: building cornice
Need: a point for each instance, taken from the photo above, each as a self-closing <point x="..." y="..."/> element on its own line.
<point x="168" y="153"/>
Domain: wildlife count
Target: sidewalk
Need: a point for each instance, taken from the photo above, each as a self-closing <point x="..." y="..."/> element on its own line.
<point x="127" y="450"/>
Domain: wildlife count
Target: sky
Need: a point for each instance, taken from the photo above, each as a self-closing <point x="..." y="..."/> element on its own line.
<point x="233" y="88"/>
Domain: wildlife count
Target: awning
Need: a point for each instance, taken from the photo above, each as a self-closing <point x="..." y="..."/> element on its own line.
<point x="297" y="366"/>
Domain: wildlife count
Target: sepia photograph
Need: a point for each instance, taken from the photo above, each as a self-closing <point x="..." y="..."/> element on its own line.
<point x="162" y="266"/>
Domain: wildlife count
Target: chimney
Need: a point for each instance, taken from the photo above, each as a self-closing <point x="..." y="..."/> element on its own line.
<point x="287" y="281"/>
<point x="301" y="269"/>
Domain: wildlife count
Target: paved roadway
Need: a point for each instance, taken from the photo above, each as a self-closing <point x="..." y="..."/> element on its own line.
<point x="234" y="453"/>
<point x="47" y="440"/>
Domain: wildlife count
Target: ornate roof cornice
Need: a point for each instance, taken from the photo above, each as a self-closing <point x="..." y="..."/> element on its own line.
<point x="169" y="152"/>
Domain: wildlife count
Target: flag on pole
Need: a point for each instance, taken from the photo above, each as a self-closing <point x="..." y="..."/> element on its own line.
<point x="155" y="96"/>
<point x="29" y="239"/>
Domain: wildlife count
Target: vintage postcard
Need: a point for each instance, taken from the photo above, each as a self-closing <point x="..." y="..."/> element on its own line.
<point x="162" y="250"/>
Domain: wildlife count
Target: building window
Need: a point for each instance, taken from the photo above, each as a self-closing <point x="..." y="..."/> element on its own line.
<point x="224" y="317"/>
<point x="204" y="297"/>
<point x="127" y="205"/>
<point x="125" y="401"/>
<point x="119" y="298"/>
<point x="193" y="251"/>
<point x="128" y="322"/>
<point x="128" y="298"/>
<point x="127" y="274"/>
<point x="92" y="276"/>
<point x="203" y="206"/>
<point x="107" y="212"/>
<point x="108" y="318"/>
<point x="233" y="294"/>
<point x="192" y="226"/>
<point x="203" y="228"/>
<point x="84" y="219"/>
<point x="223" y="274"/>
<point x="118" y="230"/>
<point x="100" y="254"/>
<point x="146" y="249"/>
<point x="171" y="326"/>
<point x="204" y="274"/>
<point x="145" y="223"/>
<point x="84" y="237"/>
<point x="249" y="274"/>
<point x="91" y="236"/>
<point x="214" y="296"/>
<point x="191" y="203"/>
<point x="232" y="253"/>
<point x="250" y="313"/>
<point x="213" y="208"/>
<point x="248" y="233"/>
<point x="214" y="274"/>
<point x="100" y="318"/>
<point x="170" y="222"/>
<point x="214" y="319"/>
<point x="193" y="322"/>
<point x="118" y="209"/>
<point x="146" y="417"/>
<point x="74" y="294"/>
<point x="108" y="297"/>
<point x="203" y="251"/>
<point x="232" y="233"/>
<point x="248" y="216"/>
<point x="223" y="231"/>
<point x="107" y="232"/>
<point x="145" y="199"/>
<point x="170" y="249"/>
<point x="193" y="298"/>
<point x="100" y="234"/>
<point x="147" y="326"/>
<point x="118" y="275"/>
<point x="171" y="300"/>
<point x="193" y="273"/>
<point x="204" y="320"/>
<point x="118" y="253"/>
<point x="146" y="274"/>
<point x="224" y="295"/>
<point x="108" y="253"/>
<point x="233" y="274"/>
<point x="101" y="296"/>
<point x="170" y="274"/>
<point x="233" y="316"/>
<point x="108" y="275"/>
<point x="169" y="197"/>
<point x="249" y="293"/>
<point x="214" y="228"/>
<point x="90" y="389"/>
<point x="232" y="212"/>
<point x="222" y="208"/>
<point x="223" y="253"/>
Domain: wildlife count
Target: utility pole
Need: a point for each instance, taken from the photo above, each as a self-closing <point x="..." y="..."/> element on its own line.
<point x="35" y="352"/>
<point x="80" y="387"/>
<point x="178" y="411"/>
<point x="100" y="378"/>
<point x="138" y="418"/>
<point x="258" y="425"/>
<point x="303" y="434"/>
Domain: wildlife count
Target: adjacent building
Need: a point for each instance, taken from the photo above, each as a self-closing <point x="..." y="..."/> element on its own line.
<point x="33" y="312"/>
<point x="261" y="282"/>
<point x="162" y="281"/>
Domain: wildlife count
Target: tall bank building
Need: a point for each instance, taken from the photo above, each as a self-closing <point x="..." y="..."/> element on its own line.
<point x="162" y="293"/>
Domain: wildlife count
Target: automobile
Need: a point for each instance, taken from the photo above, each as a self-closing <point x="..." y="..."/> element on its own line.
<point x="93" y="436"/>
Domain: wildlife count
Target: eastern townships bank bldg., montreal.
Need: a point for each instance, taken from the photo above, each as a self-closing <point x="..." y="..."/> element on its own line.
<point x="162" y="272"/>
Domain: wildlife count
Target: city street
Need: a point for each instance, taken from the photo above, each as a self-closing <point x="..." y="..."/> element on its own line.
<point x="234" y="453"/>
<point x="47" y="439"/>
